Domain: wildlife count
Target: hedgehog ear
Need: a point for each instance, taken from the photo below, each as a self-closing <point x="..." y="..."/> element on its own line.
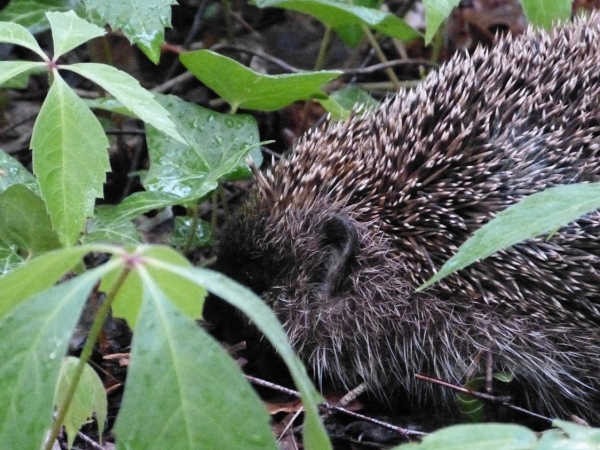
<point x="341" y="239"/>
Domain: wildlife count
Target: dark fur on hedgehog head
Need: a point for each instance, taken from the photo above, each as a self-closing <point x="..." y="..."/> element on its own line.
<point x="337" y="236"/>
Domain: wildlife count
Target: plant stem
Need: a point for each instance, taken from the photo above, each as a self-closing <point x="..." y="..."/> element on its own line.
<point x="193" y="213"/>
<point x="318" y="66"/>
<point x="323" y="49"/>
<point x="394" y="79"/>
<point x="228" y="22"/>
<point x="213" y="216"/>
<point x="223" y="199"/>
<point x="101" y="316"/>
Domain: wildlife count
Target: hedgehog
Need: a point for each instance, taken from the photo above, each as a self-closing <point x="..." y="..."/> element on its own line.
<point x="337" y="236"/>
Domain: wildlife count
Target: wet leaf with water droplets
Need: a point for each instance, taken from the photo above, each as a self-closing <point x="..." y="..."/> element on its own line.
<point x="142" y="21"/>
<point x="220" y="143"/>
<point x="9" y="259"/>
<point x="13" y="172"/>
<point x="33" y="338"/>
<point x="25" y="281"/>
<point x="194" y="388"/>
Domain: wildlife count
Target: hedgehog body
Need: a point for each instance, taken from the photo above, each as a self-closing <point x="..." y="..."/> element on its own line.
<point x="337" y="236"/>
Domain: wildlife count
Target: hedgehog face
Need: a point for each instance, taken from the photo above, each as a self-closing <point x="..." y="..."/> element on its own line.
<point x="312" y="253"/>
<point x="329" y="280"/>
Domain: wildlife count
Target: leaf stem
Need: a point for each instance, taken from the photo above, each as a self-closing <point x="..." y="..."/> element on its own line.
<point x="95" y="330"/>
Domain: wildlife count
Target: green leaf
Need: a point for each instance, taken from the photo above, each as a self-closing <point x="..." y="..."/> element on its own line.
<point x="69" y="159"/>
<point x="572" y="436"/>
<point x="261" y="315"/>
<point x="353" y="97"/>
<point x="9" y="260"/>
<point x="12" y="69"/>
<point x="351" y="34"/>
<point x="13" y="172"/>
<point x="340" y="14"/>
<point x="108" y="104"/>
<point x="109" y="227"/>
<point x="13" y="33"/>
<point x="25" y="281"/>
<point x="142" y="21"/>
<point x="343" y="102"/>
<point x="32" y="13"/>
<point x="219" y="144"/>
<point x="183" y="390"/>
<point x="243" y="170"/>
<point x="489" y="436"/>
<point x="89" y="398"/>
<point x="21" y="80"/>
<point x="203" y="235"/>
<point x="534" y="215"/>
<point x="24" y="222"/>
<point x="472" y="408"/>
<point x="142" y="202"/>
<point x="244" y="88"/>
<point x="128" y="91"/>
<point x="186" y="295"/>
<point x="436" y="11"/>
<point x="547" y="14"/>
<point x="33" y="340"/>
<point x="70" y="31"/>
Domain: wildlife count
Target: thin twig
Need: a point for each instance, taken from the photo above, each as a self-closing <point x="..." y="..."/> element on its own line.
<point x="401" y="431"/>
<point x="240" y="48"/>
<point x="168" y="85"/>
<point x="346" y="72"/>
<point x="91" y="442"/>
